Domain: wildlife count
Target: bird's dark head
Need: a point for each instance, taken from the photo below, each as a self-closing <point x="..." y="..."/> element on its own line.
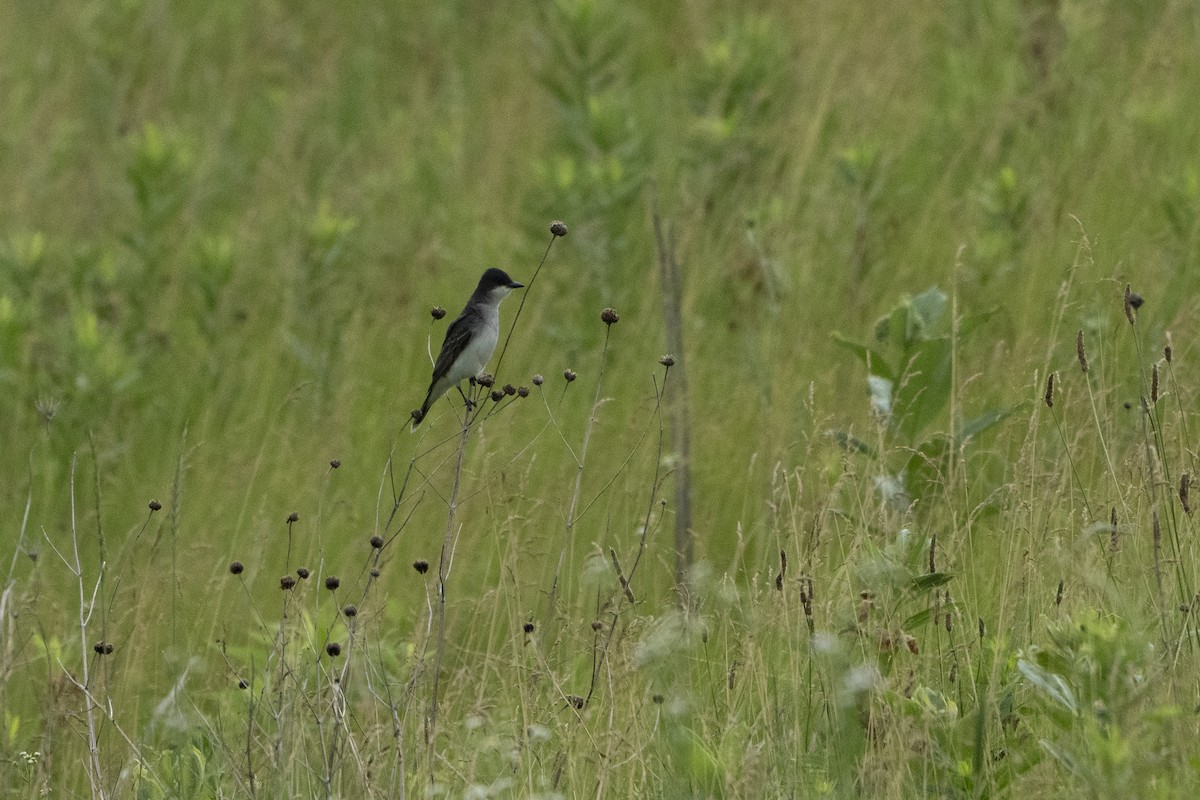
<point x="497" y="277"/>
<point x="496" y="283"/>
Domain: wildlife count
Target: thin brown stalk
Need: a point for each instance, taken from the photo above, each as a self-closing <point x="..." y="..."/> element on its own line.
<point x="444" y="562"/>
<point x="672" y="293"/>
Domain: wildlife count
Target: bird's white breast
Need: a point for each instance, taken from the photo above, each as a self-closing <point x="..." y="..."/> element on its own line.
<point x="479" y="350"/>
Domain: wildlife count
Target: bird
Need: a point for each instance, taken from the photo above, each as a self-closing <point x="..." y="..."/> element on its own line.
<point x="470" y="339"/>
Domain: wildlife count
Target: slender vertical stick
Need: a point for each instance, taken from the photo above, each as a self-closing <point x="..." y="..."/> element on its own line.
<point x="680" y="421"/>
<point x="85" y="613"/>
<point x="447" y="556"/>
<point x="569" y="524"/>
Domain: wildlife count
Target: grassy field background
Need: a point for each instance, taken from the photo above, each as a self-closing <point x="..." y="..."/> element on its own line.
<point x="223" y="226"/>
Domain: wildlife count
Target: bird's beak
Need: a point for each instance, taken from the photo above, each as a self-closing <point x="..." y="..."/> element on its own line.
<point x="515" y="285"/>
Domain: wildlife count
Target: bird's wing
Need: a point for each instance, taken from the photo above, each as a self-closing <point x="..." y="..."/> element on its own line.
<point x="458" y="336"/>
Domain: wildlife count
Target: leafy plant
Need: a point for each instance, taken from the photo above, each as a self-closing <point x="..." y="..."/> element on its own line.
<point x="909" y="380"/>
<point x="1092" y="679"/>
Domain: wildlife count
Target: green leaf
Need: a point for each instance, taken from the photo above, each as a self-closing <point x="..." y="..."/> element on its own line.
<point x="928" y="309"/>
<point x="917" y="620"/>
<point x="1050" y="684"/>
<point x="977" y="425"/>
<point x="894" y="329"/>
<point x="874" y="362"/>
<point x="924" y="387"/>
<point x="967" y="325"/>
<point x="923" y="583"/>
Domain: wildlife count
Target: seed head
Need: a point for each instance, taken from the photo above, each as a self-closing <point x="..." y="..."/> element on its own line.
<point x="667" y="360"/>
<point x="350" y="611"/>
<point x="236" y="568"/>
<point x="243" y="684"/>
<point x="597" y="626"/>
<point x="497" y="395"/>
<point x="377" y="542"/>
<point x="558" y="228"/>
<point x="287" y="582"/>
<point x="1167" y="353"/>
<point x="569" y="374"/>
<point x="154" y="505"/>
<point x="509" y="389"/>
<point x="1129" y="306"/>
<point x="293" y="517"/>
<point x="332" y="583"/>
<point x="1154" y="385"/>
<point x="421" y="566"/>
<point x="1113" y="538"/>
<point x="522" y="391"/>
<point x="333" y="649"/>
<point x="1185" y="485"/>
<point x="102" y="648"/>
<point x="1050" y="390"/>
<point x="437" y="312"/>
<point x="486" y="380"/>
<point x="527" y="627"/>
<point x="1080" y="353"/>
<point x="576" y="702"/>
<point x="374" y="572"/>
<point x="538" y="380"/>
<point x="335" y="463"/>
<point x="47" y="407"/>
<point x="657" y="699"/>
<point x="609" y="316"/>
<point x="303" y="573"/>
<point x="1058" y="596"/>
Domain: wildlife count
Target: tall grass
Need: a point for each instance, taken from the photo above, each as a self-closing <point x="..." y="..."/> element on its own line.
<point x="920" y="570"/>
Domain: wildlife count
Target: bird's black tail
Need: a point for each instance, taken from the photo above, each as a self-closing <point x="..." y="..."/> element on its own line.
<point x="418" y="416"/>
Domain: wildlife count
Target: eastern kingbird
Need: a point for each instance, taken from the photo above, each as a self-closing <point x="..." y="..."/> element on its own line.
<point x="470" y="339"/>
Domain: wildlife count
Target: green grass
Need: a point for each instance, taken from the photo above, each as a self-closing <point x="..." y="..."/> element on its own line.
<point x="222" y="227"/>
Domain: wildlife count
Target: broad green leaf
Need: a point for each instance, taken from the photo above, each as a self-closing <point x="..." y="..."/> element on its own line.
<point x="924" y="387"/>
<point x="894" y="329"/>
<point x="979" y="424"/>
<point x="929" y="307"/>
<point x="1049" y="684"/>
<point x="917" y="620"/>
<point x="923" y="583"/>
<point x="874" y="361"/>
<point x="933" y="701"/>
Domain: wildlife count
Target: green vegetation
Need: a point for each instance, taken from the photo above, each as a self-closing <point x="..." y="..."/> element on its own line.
<point x="941" y="455"/>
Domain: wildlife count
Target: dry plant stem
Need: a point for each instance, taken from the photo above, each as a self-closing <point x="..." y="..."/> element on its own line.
<point x="654" y="485"/>
<point x="1071" y="462"/>
<point x="1112" y="470"/>
<point x="1158" y="581"/>
<point x="85" y="612"/>
<point x="521" y="306"/>
<point x="1153" y="438"/>
<point x="600" y="655"/>
<point x="444" y="561"/>
<point x="176" y="503"/>
<point x="1183" y="426"/>
<point x="680" y="421"/>
<point x="580" y="463"/>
